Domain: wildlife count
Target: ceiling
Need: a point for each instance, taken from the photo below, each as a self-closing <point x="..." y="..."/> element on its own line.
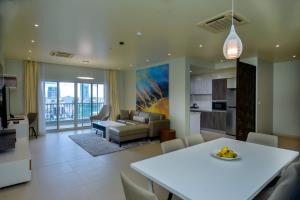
<point x="92" y="30"/>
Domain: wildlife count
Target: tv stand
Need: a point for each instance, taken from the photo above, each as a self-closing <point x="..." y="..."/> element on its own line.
<point x="15" y="164"/>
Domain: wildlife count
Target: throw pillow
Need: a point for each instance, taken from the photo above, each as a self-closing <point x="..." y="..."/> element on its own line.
<point x="139" y="119"/>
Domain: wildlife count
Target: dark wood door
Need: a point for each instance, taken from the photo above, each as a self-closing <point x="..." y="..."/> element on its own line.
<point x="219" y="87"/>
<point x="219" y="119"/>
<point x="245" y="100"/>
<point x="207" y="120"/>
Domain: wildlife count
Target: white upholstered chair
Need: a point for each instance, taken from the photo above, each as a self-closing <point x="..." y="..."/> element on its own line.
<point x="287" y="184"/>
<point x="172" y="145"/>
<point x="135" y="192"/>
<point x="194" y="139"/>
<point x="264" y="139"/>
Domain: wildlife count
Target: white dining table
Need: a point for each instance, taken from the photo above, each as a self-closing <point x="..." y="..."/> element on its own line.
<point x="193" y="173"/>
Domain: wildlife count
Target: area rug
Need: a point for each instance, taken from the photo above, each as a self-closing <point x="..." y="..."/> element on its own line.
<point x="95" y="145"/>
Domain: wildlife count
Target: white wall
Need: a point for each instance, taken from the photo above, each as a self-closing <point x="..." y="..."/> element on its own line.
<point x="286" y="117"/>
<point x="264" y="92"/>
<point x="179" y="90"/>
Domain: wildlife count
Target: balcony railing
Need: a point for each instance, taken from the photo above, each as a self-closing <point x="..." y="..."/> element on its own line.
<point x="67" y="111"/>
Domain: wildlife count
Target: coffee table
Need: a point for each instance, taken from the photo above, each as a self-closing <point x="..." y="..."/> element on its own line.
<point x="103" y="126"/>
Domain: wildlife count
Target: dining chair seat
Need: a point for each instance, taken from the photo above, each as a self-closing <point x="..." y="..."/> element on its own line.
<point x="134" y="192"/>
<point x="263" y="139"/>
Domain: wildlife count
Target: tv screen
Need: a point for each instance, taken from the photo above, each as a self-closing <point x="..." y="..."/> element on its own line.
<point x="3" y="108"/>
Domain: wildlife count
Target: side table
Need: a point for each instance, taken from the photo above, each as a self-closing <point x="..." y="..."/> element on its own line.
<point x="167" y="134"/>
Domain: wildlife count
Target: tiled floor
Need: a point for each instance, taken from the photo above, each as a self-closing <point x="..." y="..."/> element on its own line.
<point x="62" y="170"/>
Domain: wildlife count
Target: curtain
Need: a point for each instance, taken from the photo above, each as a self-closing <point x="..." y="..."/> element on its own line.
<point x="112" y="93"/>
<point x="41" y="101"/>
<point x="31" y="85"/>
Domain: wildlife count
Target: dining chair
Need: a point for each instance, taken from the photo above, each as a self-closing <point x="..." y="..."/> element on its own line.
<point x="194" y="139"/>
<point x="169" y="146"/>
<point x="286" y="185"/>
<point x="103" y="114"/>
<point x="172" y="145"/>
<point x="264" y="139"/>
<point x="135" y="192"/>
<point x="32" y="122"/>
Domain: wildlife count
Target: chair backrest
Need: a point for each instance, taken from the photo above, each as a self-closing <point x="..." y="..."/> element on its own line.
<point x="194" y="139"/>
<point x="31" y="117"/>
<point x="286" y="185"/>
<point x="264" y="139"/>
<point x="172" y="145"/>
<point x="105" y="111"/>
<point x="135" y="192"/>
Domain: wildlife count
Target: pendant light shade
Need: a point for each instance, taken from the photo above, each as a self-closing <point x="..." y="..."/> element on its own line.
<point x="233" y="46"/>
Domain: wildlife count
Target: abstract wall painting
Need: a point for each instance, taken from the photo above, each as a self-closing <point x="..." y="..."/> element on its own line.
<point x="152" y="89"/>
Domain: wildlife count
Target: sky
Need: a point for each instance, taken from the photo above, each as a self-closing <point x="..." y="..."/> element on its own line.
<point x="67" y="89"/>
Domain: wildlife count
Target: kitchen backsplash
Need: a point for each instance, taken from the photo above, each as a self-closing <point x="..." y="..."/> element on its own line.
<point x="203" y="101"/>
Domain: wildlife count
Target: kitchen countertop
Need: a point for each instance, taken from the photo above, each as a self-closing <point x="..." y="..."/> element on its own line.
<point x="205" y="110"/>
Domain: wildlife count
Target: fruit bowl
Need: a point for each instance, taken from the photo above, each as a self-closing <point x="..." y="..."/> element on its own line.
<point x="225" y="153"/>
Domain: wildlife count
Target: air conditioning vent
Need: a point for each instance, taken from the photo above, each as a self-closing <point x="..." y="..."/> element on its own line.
<point x="222" y="22"/>
<point x="61" y="54"/>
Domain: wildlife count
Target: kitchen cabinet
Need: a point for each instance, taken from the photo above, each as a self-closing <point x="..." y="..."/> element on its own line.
<point x="195" y="122"/>
<point x="201" y="85"/>
<point x="219" y="87"/>
<point x="213" y="120"/>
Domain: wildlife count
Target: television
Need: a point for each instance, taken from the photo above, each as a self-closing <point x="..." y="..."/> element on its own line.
<point x="3" y="107"/>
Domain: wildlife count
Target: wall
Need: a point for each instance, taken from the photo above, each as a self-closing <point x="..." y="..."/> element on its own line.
<point x="179" y="90"/>
<point x="264" y="92"/>
<point x="16" y="67"/>
<point x="286" y="118"/>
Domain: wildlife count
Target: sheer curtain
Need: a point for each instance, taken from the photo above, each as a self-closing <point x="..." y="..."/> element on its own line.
<point x="111" y="93"/>
<point x="30" y="86"/>
<point x="41" y="101"/>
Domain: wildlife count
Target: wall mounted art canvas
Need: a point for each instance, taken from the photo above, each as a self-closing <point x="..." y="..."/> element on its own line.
<point x="152" y="89"/>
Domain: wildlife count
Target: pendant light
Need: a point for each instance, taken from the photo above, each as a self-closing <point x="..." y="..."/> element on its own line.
<point x="233" y="46"/>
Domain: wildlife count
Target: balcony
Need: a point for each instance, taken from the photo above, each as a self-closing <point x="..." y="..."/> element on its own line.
<point x="64" y="115"/>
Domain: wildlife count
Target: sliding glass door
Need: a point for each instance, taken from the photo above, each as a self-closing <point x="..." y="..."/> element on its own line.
<point x="69" y="105"/>
<point x="66" y="105"/>
<point x="51" y="105"/>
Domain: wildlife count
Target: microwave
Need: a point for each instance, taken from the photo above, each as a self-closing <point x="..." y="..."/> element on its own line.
<point x="219" y="105"/>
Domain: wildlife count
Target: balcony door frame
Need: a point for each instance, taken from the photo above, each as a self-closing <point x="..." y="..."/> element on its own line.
<point x="75" y="103"/>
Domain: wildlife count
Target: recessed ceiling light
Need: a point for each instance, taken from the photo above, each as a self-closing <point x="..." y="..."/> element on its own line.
<point x="191" y="71"/>
<point x="277" y="45"/>
<point x="147" y="60"/>
<point x="294" y="56"/>
<point x="29" y="51"/>
<point x="131" y="65"/>
<point x="32" y="41"/>
<point x="200" y="45"/>
<point x="169" y="54"/>
<point x="119" y="68"/>
<point x="28" y="58"/>
<point x="85" y="77"/>
<point x="36" y="25"/>
<point x="139" y="33"/>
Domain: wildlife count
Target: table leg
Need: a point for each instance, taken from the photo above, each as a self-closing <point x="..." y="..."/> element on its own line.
<point x="150" y="186"/>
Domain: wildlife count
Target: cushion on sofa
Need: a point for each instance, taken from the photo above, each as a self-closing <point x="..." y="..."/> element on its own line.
<point x="124" y="114"/>
<point x="139" y="119"/>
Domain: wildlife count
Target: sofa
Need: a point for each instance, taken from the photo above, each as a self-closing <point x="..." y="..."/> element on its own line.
<point x="139" y="125"/>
